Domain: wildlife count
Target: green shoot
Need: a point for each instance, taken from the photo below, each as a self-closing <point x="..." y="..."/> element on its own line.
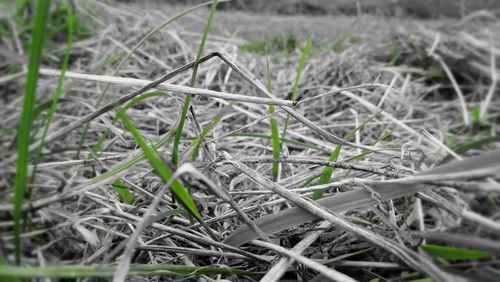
<point x="198" y="141"/>
<point x="130" y="104"/>
<point x="23" y="141"/>
<point x="59" y="89"/>
<point x="123" y="192"/>
<point x="302" y="61"/>
<point x="178" y="190"/>
<point x="476" y="115"/>
<point x="452" y="253"/>
<point x="103" y="137"/>
<point x="328" y="171"/>
<point x="185" y="107"/>
<point x="292" y="142"/>
<point x="274" y="127"/>
<point x="87" y="271"/>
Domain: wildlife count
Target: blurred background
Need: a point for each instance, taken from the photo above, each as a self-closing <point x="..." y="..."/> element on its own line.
<point x="419" y="9"/>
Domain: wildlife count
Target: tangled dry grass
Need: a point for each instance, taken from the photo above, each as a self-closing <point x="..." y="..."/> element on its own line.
<point x="437" y="92"/>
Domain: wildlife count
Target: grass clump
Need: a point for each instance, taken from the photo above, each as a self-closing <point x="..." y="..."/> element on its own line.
<point x="285" y="45"/>
<point x="57" y="23"/>
<point x="339" y="45"/>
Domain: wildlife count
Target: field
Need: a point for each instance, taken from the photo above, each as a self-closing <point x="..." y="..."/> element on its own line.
<point x="249" y="141"/>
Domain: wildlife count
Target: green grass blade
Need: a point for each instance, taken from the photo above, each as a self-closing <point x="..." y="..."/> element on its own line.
<point x="185" y="107"/>
<point x="96" y="147"/>
<point x="302" y="61"/>
<point x="287" y="141"/>
<point x="123" y="191"/>
<point x="132" y="161"/>
<point x="6" y="278"/>
<point x="178" y="190"/>
<point x="452" y="253"/>
<point x="143" y="97"/>
<point x="23" y="141"/>
<point x="198" y="141"/>
<point x="328" y="171"/>
<point x="422" y="280"/>
<point x="87" y="271"/>
<point x="364" y="153"/>
<point x="275" y="136"/>
<point x="131" y="103"/>
<point x="59" y="89"/>
<point x="476" y="115"/>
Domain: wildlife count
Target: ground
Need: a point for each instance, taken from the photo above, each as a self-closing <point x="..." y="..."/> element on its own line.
<point x="371" y="151"/>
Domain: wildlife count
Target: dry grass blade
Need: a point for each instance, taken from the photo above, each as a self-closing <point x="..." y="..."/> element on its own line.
<point x="165" y="86"/>
<point x="275" y="273"/>
<point x="123" y="266"/>
<point x="408" y="256"/>
<point x="292" y="112"/>
<point x="327" y="272"/>
<point x="147" y="85"/>
<point x="360" y="198"/>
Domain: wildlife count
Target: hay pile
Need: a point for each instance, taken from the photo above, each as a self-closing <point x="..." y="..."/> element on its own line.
<point x="76" y="217"/>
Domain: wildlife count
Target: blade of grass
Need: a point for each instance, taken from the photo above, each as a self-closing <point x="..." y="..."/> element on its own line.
<point x="275" y="137"/>
<point x="23" y="140"/>
<point x="178" y="190"/>
<point x="476" y="115"/>
<point x="102" y="178"/>
<point x="6" y="278"/>
<point x="123" y="265"/>
<point x="87" y="271"/>
<point x="59" y="89"/>
<point x="472" y="145"/>
<point x="132" y="161"/>
<point x="361" y="156"/>
<point x="199" y="140"/>
<point x="288" y="141"/>
<point x="328" y="171"/>
<point x="453" y="253"/>
<point x="302" y="61"/>
<point x="123" y="191"/>
<point x="96" y="147"/>
<point x="187" y="101"/>
<point x="358" y="198"/>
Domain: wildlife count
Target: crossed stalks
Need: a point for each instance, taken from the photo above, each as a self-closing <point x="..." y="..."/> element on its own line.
<point x="238" y="69"/>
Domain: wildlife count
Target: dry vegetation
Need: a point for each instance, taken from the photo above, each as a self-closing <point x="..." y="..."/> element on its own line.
<point x="418" y="98"/>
